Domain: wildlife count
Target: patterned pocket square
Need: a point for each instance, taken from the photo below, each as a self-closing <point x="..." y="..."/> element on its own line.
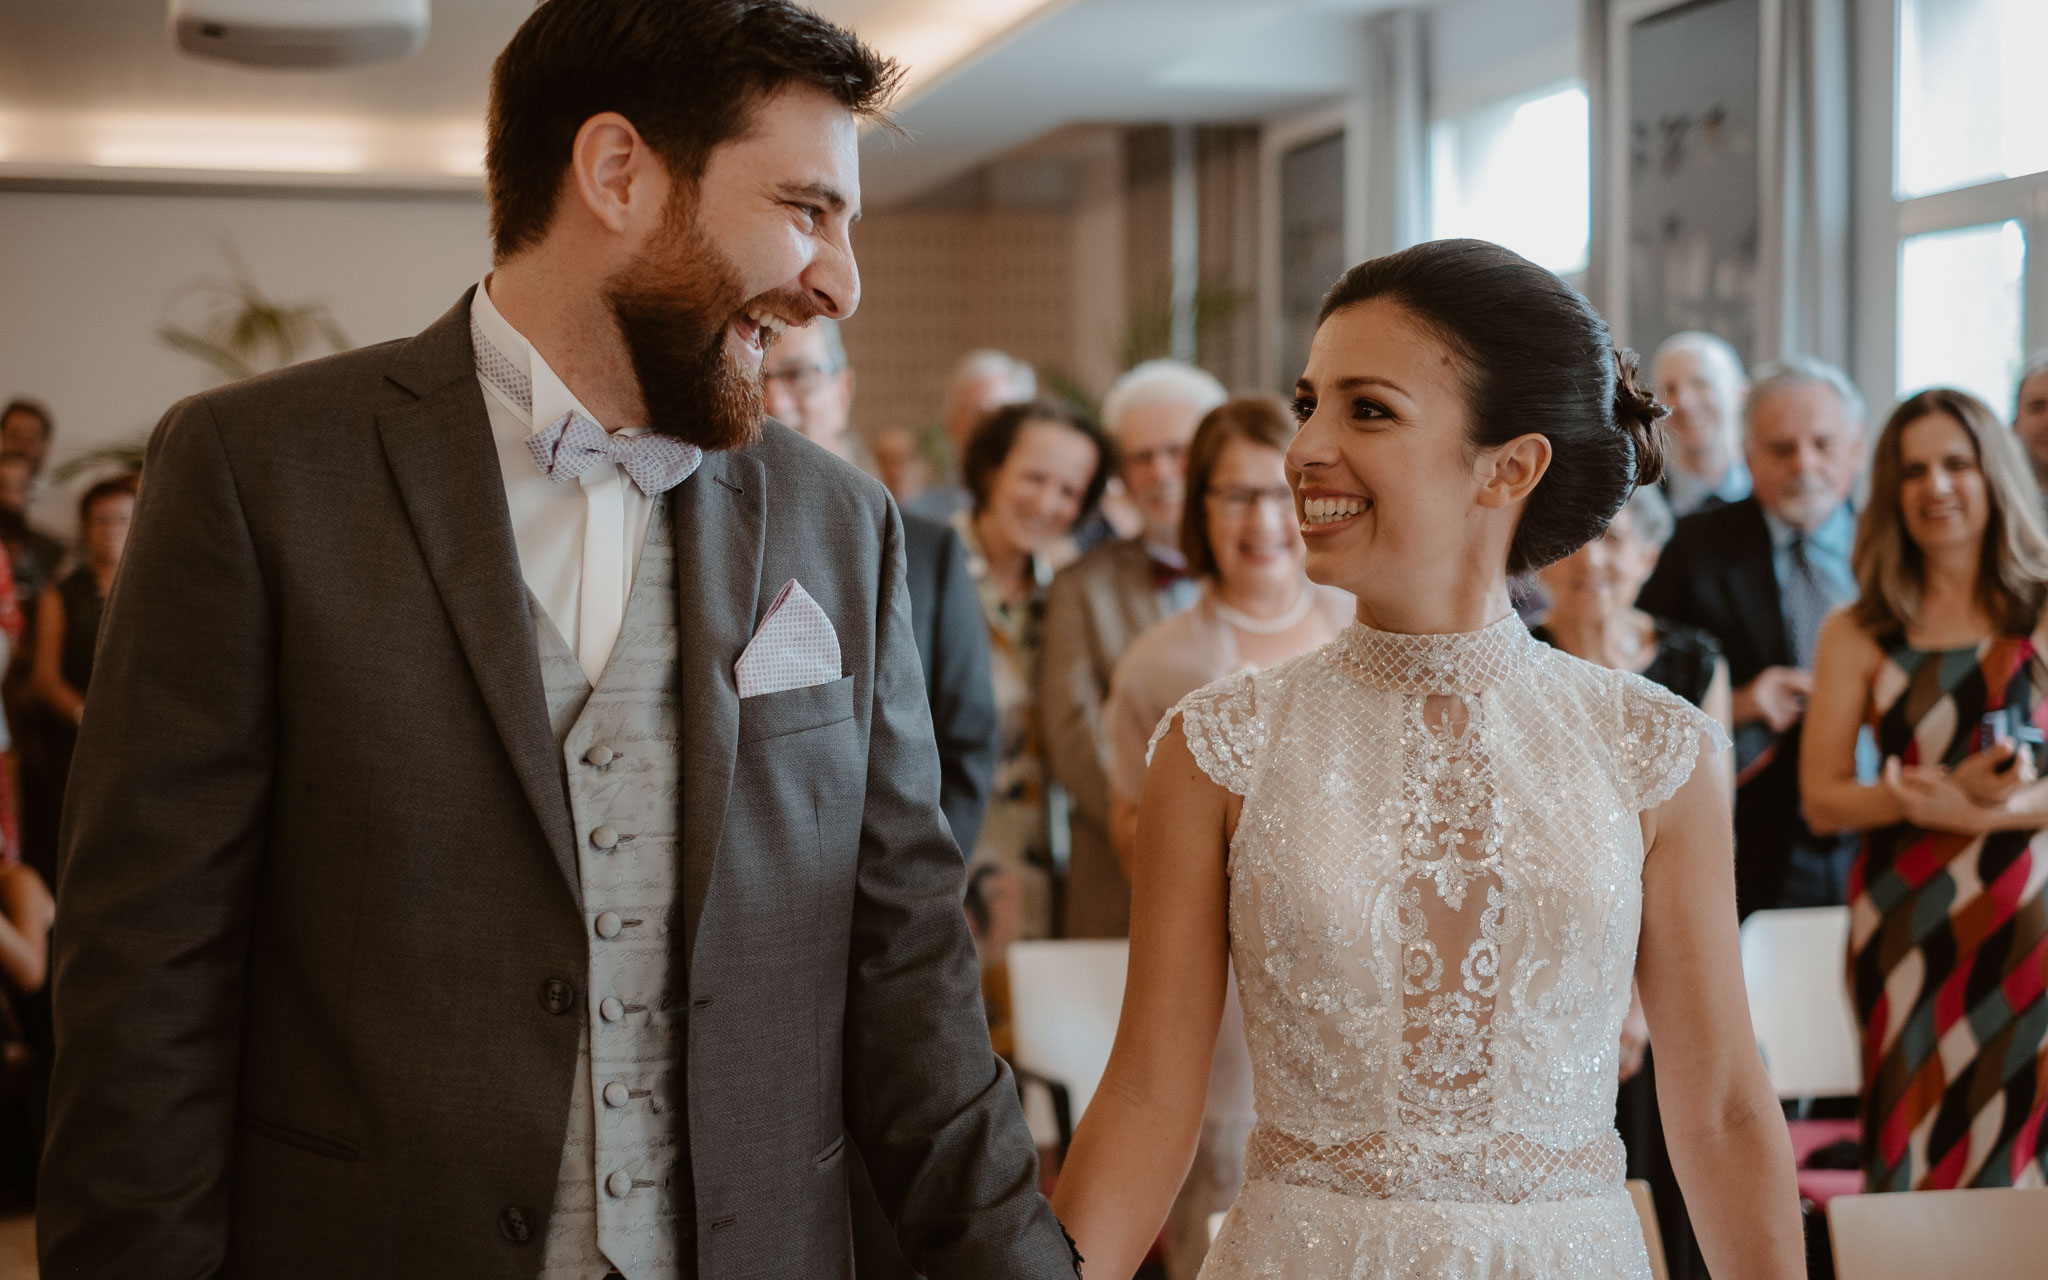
<point x="795" y="648"/>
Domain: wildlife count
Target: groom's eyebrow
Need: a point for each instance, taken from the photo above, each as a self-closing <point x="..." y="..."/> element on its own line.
<point x="821" y="193"/>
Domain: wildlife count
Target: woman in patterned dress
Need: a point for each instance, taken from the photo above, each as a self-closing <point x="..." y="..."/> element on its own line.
<point x="1435" y="850"/>
<point x="1941" y="655"/>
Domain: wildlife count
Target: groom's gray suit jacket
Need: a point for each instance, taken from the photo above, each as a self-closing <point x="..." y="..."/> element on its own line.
<point x="320" y="953"/>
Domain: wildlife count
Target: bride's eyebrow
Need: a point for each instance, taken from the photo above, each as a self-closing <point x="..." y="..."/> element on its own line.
<point x="1360" y="380"/>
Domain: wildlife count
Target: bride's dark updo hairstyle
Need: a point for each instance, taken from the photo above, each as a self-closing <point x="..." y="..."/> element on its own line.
<point x="1537" y="358"/>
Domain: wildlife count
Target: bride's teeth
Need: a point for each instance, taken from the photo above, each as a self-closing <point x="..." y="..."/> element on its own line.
<point x="1331" y="510"/>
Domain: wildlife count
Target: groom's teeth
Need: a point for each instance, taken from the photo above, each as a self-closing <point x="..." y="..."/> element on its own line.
<point x="772" y="324"/>
<point x="1331" y="510"/>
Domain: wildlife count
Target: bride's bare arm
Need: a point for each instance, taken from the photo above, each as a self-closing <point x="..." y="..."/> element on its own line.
<point x="1727" y="1135"/>
<point x="1134" y="1145"/>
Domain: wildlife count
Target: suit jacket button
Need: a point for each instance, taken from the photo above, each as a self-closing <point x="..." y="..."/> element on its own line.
<point x="604" y="837"/>
<point x="557" y="996"/>
<point x="599" y="756"/>
<point x="513" y="1226"/>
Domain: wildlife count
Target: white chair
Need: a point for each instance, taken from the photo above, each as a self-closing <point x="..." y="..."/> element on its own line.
<point x="1794" y="964"/>
<point x="1065" y="998"/>
<point x="1991" y="1234"/>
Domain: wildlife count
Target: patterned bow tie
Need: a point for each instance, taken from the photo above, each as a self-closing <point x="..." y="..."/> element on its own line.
<point x="575" y="444"/>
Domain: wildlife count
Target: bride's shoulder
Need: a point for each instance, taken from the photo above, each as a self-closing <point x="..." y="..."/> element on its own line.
<point x="1228" y="722"/>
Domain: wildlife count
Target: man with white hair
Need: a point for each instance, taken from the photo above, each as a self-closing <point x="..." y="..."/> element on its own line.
<point x="1760" y="574"/>
<point x="1699" y="378"/>
<point x="1101" y="603"/>
<point x="2030" y="415"/>
<point x="984" y="381"/>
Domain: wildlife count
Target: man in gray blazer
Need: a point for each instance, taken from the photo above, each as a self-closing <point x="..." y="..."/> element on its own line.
<point x="1101" y="603"/>
<point x="505" y="840"/>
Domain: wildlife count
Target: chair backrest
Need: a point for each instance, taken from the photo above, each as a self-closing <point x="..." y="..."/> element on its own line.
<point x="1065" y="998"/>
<point x="1991" y="1234"/>
<point x="1795" y="965"/>
<point x="1653" y="1236"/>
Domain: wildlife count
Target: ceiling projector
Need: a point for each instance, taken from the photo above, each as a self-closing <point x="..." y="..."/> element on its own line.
<point x="300" y="33"/>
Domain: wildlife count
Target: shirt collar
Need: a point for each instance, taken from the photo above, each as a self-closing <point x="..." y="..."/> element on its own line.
<point x="551" y="398"/>
<point x="1836" y="535"/>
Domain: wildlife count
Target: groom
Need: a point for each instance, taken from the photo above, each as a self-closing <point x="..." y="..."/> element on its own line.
<point x="505" y="839"/>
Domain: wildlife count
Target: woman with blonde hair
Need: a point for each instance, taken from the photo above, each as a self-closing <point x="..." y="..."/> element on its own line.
<point x="1942" y="655"/>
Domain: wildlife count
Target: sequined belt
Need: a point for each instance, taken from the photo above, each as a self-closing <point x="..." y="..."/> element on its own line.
<point x="1506" y="1168"/>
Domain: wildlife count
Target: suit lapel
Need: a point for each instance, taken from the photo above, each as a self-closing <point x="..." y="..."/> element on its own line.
<point x="721" y="521"/>
<point x="1753" y="581"/>
<point x="446" y="466"/>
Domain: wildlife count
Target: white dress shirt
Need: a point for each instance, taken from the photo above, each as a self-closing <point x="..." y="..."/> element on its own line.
<point x="579" y="542"/>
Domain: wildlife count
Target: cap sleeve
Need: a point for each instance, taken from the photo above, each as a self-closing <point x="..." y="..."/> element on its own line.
<point x="1224" y="730"/>
<point x="1660" y="740"/>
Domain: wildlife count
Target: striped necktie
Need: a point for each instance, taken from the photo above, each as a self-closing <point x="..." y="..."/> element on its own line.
<point x="1808" y="595"/>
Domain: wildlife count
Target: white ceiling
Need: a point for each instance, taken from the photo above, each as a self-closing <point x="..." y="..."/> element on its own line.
<point x="986" y="75"/>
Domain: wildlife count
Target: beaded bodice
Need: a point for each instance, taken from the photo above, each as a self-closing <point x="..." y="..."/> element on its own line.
<point x="1435" y="891"/>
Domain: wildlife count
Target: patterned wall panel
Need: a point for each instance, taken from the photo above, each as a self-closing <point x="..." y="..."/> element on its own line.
<point x="937" y="283"/>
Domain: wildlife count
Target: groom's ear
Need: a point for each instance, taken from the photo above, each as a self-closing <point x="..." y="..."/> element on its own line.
<point x="1509" y="472"/>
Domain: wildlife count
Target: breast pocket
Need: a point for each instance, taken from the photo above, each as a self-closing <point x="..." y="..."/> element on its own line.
<point x="788" y="711"/>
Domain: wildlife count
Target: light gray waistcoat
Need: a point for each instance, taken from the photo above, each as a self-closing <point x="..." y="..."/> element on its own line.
<point x="618" y="1201"/>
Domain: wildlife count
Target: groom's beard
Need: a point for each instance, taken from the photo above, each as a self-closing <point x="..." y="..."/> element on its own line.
<point x="673" y="305"/>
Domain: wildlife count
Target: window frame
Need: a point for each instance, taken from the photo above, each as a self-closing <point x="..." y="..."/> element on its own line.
<point x="1884" y="221"/>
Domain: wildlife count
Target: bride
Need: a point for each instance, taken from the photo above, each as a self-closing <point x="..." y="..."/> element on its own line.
<point x="1438" y="850"/>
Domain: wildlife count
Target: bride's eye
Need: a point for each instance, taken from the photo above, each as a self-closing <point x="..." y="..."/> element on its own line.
<point x="1369" y="409"/>
<point x="1304" y="407"/>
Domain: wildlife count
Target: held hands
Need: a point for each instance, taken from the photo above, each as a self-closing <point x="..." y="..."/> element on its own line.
<point x="1777" y="697"/>
<point x="1967" y="800"/>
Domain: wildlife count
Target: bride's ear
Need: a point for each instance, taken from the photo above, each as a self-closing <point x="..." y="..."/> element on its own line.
<point x="1508" y="473"/>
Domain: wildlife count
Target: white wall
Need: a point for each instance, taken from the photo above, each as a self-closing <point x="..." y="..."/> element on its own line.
<point x="86" y="279"/>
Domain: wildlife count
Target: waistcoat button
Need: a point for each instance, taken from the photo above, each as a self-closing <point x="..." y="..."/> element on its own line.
<point x="611" y="1009"/>
<point x="619" y="1184"/>
<point x="599" y="756"/>
<point x="608" y="924"/>
<point x="557" y="996"/>
<point x="604" y="837"/>
<point x="513" y="1226"/>
<point x="616" y="1094"/>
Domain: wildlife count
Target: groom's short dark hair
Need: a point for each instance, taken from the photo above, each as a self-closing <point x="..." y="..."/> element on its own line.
<point x="687" y="73"/>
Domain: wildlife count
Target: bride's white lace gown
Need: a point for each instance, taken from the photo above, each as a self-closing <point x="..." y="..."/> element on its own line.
<point x="1435" y="892"/>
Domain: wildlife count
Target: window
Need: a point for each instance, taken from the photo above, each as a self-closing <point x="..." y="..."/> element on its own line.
<point x="1953" y="212"/>
<point x="1972" y="92"/>
<point x="1517" y="173"/>
<point x="1961" y="317"/>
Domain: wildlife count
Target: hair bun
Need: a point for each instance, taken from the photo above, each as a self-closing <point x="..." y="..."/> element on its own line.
<point x="1636" y="412"/>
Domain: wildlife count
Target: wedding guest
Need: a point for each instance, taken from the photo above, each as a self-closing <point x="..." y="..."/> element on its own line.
<point x="984" y="381"/>
<point x="1759" y="575"/>
<point x="807" y="385"/>
<point x="1591" y="616"/>
<point x="900" y="463"/>
<point x="1699" y="378"/>
<point x="1255" y="607"/>
<point x="1943" y="651"/>
<point x="67" y="629"/>
<point x="2030" y="416"/>
<point x="1105" y="600"/>
<point x="34" y="556"/>
<point x="26" y="428"/>
<point x="1035" y="470"/>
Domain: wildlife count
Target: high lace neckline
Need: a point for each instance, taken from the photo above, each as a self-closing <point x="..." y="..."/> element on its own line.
<point x="1454" y="663"/>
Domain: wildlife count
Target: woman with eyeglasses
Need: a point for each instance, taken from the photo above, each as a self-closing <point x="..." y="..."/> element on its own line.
<point x="1257" y="608"/>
